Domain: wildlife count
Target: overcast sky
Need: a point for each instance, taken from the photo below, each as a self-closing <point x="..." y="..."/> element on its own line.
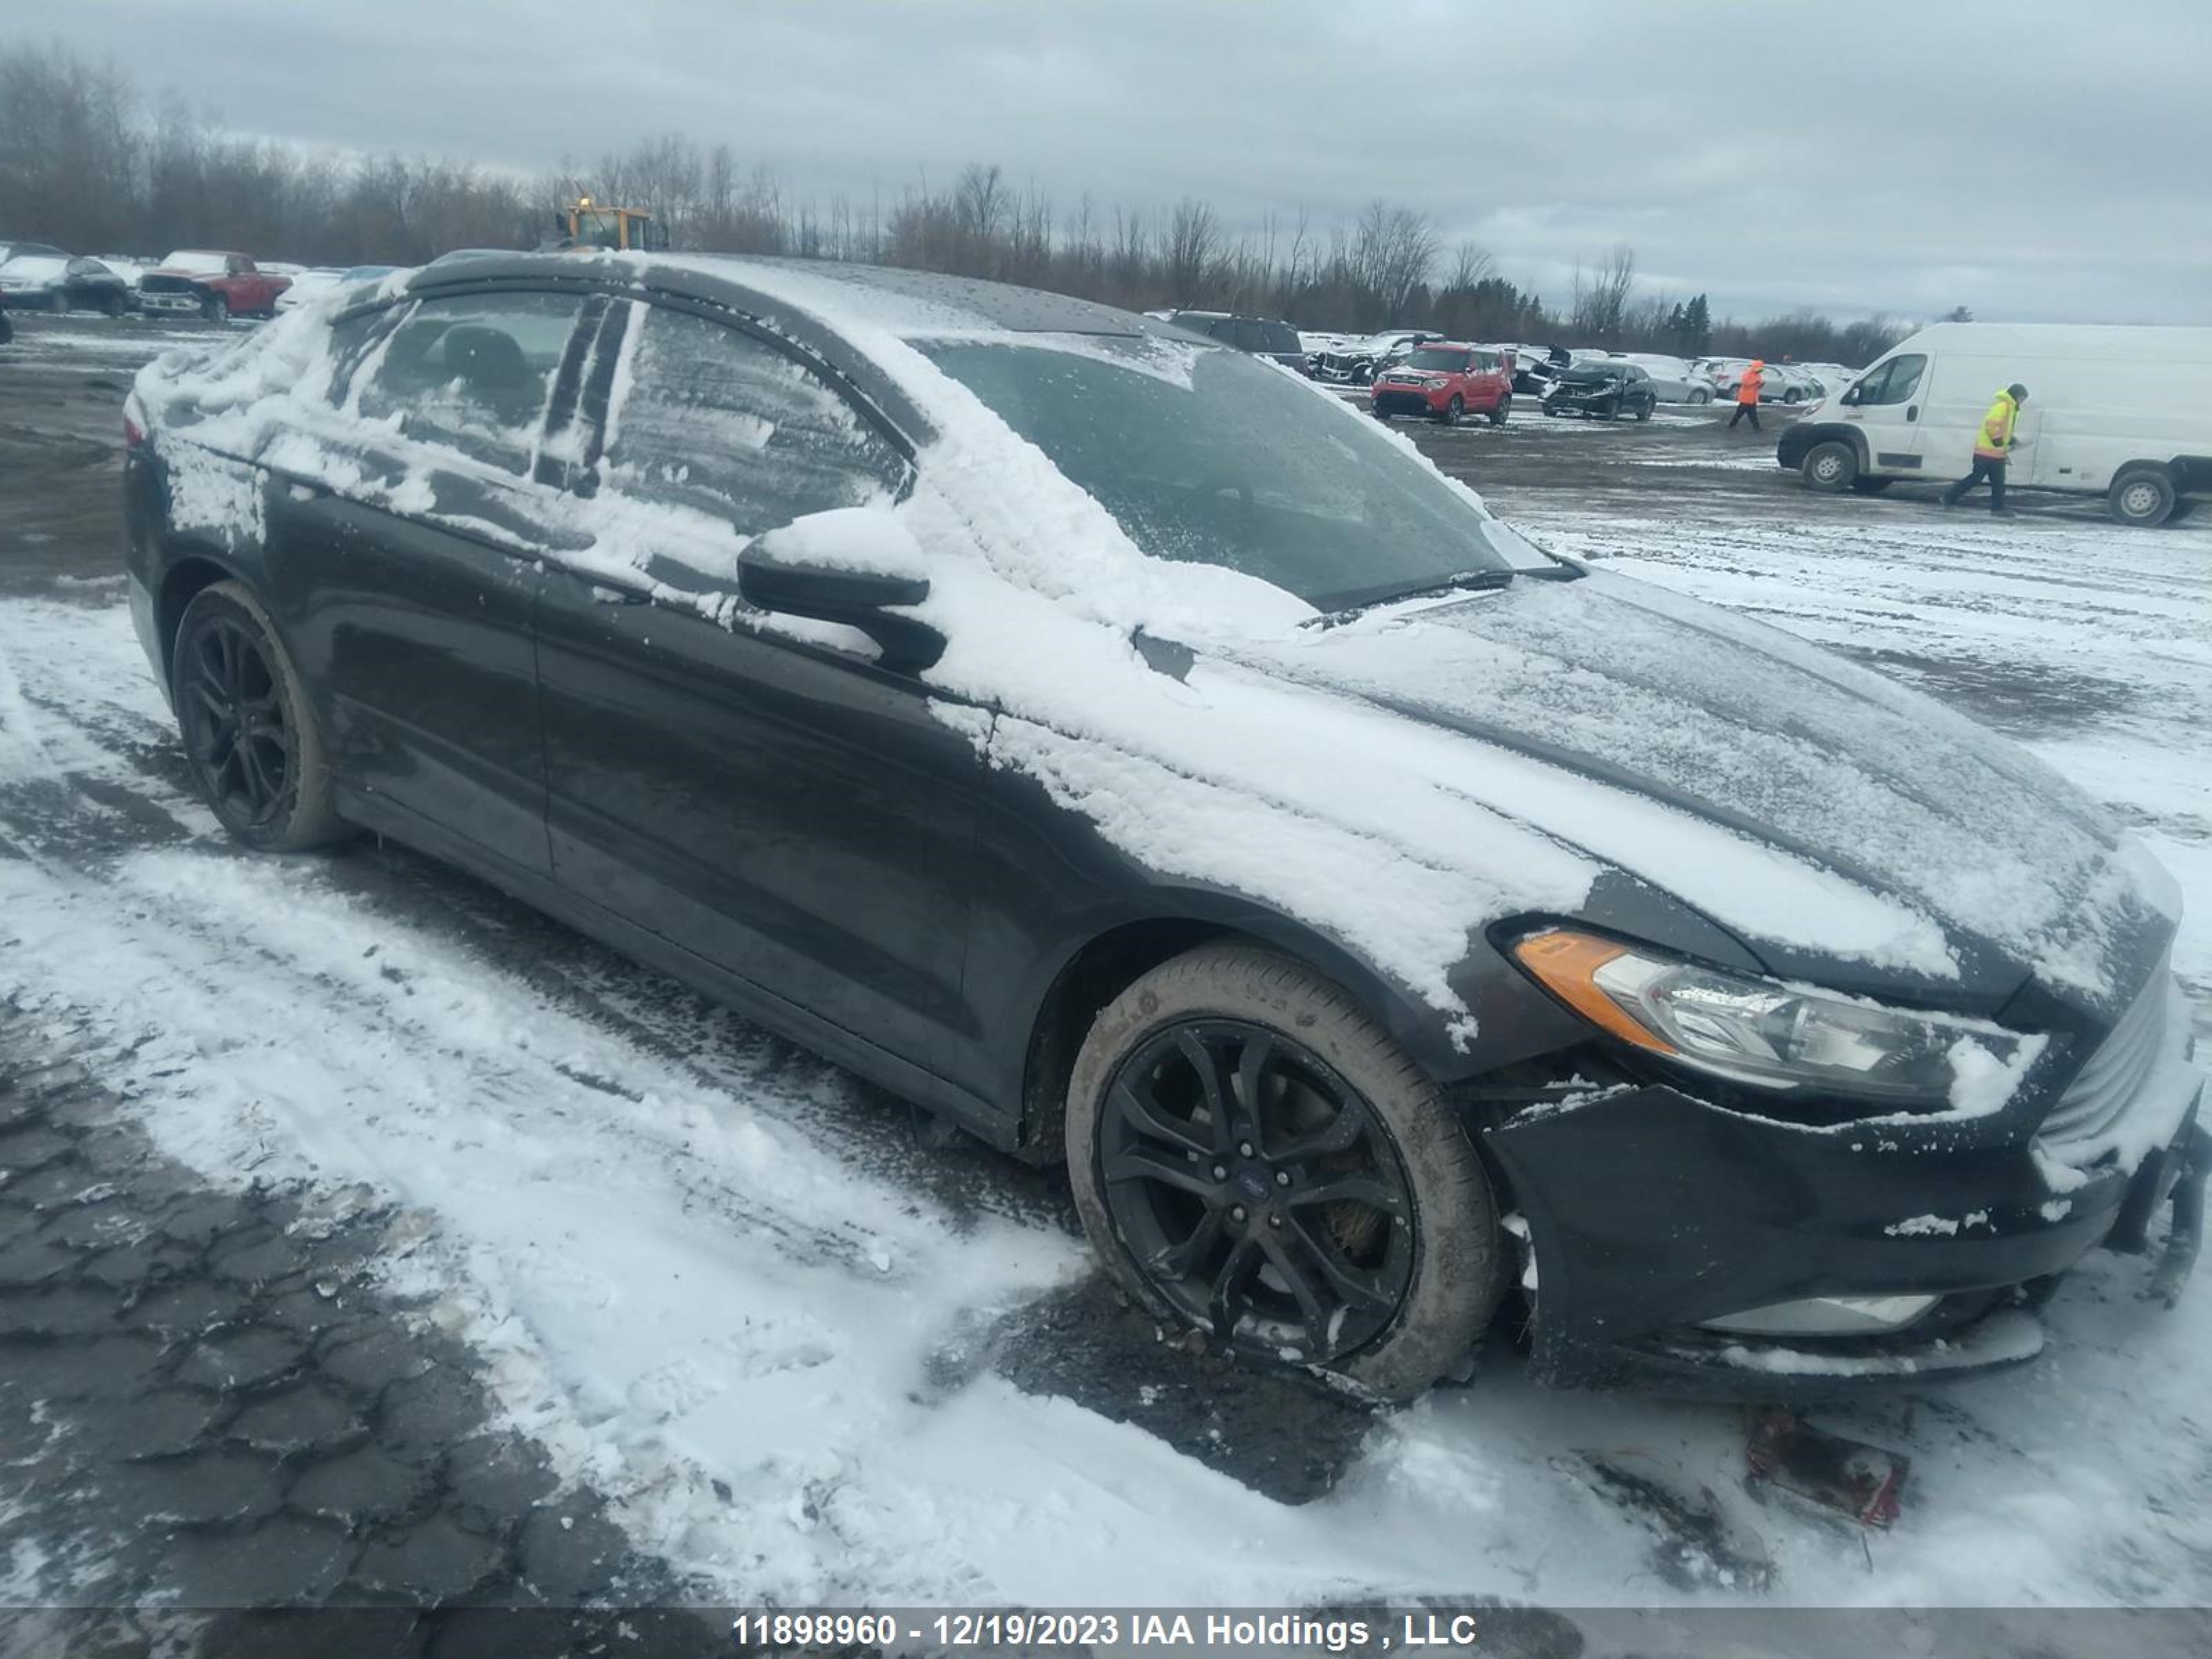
<point x="2036" y="160"/>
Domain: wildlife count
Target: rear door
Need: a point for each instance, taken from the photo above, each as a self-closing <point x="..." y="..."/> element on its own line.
<point x="777" y="806"/>
<point x="1885" y="405"/>
<point x="405" y="557"/>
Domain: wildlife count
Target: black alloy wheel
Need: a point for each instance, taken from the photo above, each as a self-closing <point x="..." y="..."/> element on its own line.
<point x="1256" y="1190"/>
<point x="249" y="738"/>
<point x="242" y="748"/>
<point x="1453" y="410"/>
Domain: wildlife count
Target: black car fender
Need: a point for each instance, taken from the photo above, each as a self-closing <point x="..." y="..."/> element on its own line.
<point x="1101" y="951"/>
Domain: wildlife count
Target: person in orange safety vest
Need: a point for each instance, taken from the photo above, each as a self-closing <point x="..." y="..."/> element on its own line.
<point x="1747" y="394"/>
<point x="1993" y="445"/>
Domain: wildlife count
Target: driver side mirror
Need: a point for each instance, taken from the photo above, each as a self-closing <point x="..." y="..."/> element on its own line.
<point x="857" y="566"/>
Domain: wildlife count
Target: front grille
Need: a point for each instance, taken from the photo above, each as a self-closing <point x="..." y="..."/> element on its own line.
<point x="1393" y="402"/>
<point x="2114" y="1075"/>
<point x="164" y="285"/>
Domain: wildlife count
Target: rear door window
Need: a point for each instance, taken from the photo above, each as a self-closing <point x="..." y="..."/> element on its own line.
<point x="720" y="421"/>
<point x="471" y="371"/>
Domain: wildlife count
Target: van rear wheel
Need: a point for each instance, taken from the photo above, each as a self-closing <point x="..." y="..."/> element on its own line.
<point x="2142" y="496"/>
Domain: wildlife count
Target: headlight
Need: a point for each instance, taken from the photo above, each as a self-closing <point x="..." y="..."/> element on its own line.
<point x="1776" y="1036"/>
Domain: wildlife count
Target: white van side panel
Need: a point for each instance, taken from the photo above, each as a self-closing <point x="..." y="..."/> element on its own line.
<point x="2098" y="399"/>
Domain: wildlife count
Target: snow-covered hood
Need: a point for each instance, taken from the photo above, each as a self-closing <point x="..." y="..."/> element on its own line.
<point x="1655" y="698"/>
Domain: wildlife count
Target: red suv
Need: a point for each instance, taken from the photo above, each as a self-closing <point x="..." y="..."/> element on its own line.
<point x="1446" y="382"/>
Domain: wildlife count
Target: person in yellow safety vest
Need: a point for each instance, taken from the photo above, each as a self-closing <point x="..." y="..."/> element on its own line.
<point x="1993" y="446"/>
<point x="1747" y="394"/>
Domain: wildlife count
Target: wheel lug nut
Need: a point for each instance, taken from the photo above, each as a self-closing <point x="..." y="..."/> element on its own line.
<point x="1236" y="1213"/>
<point x="1274" y="1219"/>
<point x="1244" y="1151"/>
<point x="1221" y="1172"/>
<point x="1282" y="1177"/>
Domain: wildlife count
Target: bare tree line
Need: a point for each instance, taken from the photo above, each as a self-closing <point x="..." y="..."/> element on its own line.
<point x="92" y="165"/>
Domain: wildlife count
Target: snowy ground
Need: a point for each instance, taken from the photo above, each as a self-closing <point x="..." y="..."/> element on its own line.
<point x="717" y="1280"/>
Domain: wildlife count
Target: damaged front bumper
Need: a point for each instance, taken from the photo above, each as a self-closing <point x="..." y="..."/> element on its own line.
<point x="1655" y="1220"/>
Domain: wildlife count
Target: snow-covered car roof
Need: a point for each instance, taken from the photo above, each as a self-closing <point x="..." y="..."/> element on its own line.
<point x="34" y="267"/>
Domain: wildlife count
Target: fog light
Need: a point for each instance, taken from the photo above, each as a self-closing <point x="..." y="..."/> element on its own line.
<point x="1827" y="1315"/>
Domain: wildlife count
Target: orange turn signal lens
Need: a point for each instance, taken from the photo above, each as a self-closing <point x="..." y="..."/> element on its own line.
<point x="1566" y="964"/>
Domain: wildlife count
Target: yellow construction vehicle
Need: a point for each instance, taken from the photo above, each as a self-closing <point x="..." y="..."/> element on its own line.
<point x="586" y="225"/>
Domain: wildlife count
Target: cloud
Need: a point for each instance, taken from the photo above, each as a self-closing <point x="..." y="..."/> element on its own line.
<point x="2042" y="161"/>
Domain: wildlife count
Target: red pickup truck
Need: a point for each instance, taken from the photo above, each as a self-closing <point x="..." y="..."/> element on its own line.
<point x="215" y="286"/>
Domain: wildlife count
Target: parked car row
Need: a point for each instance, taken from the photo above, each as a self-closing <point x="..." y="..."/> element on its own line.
<point x="192" y="281"/>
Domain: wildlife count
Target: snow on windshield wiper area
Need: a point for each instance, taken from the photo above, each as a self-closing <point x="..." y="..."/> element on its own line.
<point x="1343" y="609"/>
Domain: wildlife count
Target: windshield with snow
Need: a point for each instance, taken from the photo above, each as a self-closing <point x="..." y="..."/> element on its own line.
<point x="205" y="265"/>
<point x="1208" y="456"/>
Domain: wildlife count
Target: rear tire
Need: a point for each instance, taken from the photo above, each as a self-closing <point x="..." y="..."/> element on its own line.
<point x="1832" y="465"/>
<point x="1501" y="411"/>
<point x="1299" y="1089"/>
<point x="1645" y="409"/>
<point x="250" y="736"/>
<point x="2142" y="496"/>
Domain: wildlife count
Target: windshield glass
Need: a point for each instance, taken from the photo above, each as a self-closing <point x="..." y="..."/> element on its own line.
<point x="33" y="267"/>
<point x="1429" y="357"/>
<point x="208" y="264"/>
<point x="1208" y="456"/>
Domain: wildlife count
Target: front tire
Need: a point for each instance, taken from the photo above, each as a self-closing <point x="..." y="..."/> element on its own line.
<point x="2143" y="497"/>
<point x="1832" y="465"/>
<point x="1252" y="1156"/>
<point x="60" y="305"/>
<point x="216" y="308"/>
<point x="1501" y="411"/>
<point x="1453" y="412"/>
<point x="250" y="736"/>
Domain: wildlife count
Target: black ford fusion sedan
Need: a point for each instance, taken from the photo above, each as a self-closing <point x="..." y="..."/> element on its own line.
<point x="1128" y="752"/>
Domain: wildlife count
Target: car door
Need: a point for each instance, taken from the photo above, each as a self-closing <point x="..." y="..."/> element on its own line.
<point x="1884" y="404"/>
<point x="405" y="545"/>
<point x="771" y="804"/>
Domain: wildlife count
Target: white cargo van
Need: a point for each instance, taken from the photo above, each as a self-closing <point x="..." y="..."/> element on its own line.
<point x="2123" y="413"/>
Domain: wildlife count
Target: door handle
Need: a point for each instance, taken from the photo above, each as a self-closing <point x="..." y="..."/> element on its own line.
<point x="1912" y="412"/>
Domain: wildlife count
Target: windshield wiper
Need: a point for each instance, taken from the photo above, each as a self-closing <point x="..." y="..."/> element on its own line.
<point x="1464" y="582"/>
